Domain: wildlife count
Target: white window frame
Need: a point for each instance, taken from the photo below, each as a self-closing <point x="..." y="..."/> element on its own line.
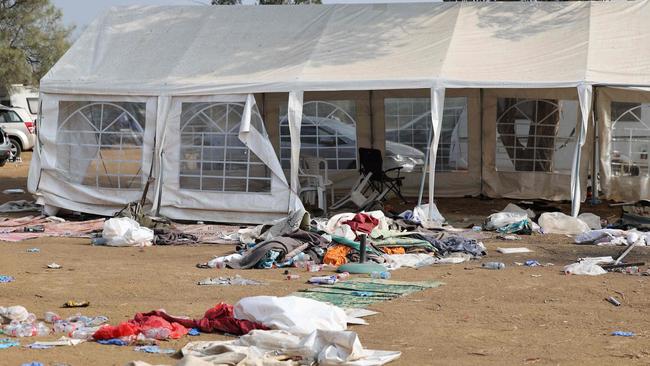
<point x="307" y="121"/>
<point x="632" y="115"/>
<point x="233" y="132"/>
<point x="86" y="161"/>
<point x="427" y="117"/>
<point x="501" y="155"/>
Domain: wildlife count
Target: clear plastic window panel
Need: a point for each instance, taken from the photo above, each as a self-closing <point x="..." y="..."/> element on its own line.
<point x="99" y="144"/>
<point x="328" y="131"/>
<point x="408" y="132"/>
<point x="535" y="135"/>
<point x="630" y="142"/>
<point x="212" y="156"/>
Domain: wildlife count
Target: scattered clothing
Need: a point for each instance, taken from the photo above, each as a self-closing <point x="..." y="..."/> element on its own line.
<point x="362" y="222"/>
<point x="154" y="349"/>
<point x="113" y="342"/>
<point x="228" y="281"/>
<point x="336" y="255"/>
<point x="452" y="244"/>
<point x="219" y="319"/>
<point x="173" y="237"/>
<point x="142" y="323"/>
<point x="394" y="250"/>
<point x="282" y="244"/>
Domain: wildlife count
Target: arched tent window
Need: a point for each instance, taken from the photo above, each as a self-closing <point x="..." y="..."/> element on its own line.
<point x="535" y="135"/>
<point x="630" y="140"/>
<point x="100" y="143"/>
<point x="328" y="131"/>
<point x="408" y="131"/>
<point x="212" y="156"/>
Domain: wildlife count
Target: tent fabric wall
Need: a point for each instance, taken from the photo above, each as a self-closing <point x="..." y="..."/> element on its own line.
<point x="521" y="184"/>
<point x="191" y="204"/>
<point x="618" y="188"/>
<point x="55" y="189"/>
<point x="162" y="54"/>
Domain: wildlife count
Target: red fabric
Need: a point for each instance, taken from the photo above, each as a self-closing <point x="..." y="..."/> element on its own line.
<point x="362" y="222"/>
<point x="111" y="331"/>
<point x="220" y="318"/>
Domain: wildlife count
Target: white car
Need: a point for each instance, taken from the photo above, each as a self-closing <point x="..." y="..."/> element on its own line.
<point x="19" y="126"/>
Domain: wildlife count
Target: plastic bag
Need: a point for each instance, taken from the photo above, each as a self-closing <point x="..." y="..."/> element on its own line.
<point x="559" y="223"/>
<point x="503" y="219"/>
<point x="123" y="231"/>
<point x="588" y="268"/>
<point x="593" y="221"/>
<point x="293" y="314"/>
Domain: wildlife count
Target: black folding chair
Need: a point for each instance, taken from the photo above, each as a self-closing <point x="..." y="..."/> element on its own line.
<point x="372" y="162"/>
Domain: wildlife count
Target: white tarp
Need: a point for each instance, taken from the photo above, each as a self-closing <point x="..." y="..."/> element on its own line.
<point x="196" y="50"/>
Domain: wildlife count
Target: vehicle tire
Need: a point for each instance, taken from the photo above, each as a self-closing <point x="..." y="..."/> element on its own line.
<point x="16" y="149"/>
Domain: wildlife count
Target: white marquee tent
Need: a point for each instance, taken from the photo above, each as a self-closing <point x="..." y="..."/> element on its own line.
<point x="181" y="92"/>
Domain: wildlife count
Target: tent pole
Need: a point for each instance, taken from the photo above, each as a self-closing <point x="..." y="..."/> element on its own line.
<point x="595" y="154"/>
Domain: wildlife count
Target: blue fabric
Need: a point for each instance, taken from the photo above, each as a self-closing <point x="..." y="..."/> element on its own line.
<point x="193" y="332"/>
<point x="114" y="342"/>
<point x="154" y="349"/>
<point x="268" y="260"/>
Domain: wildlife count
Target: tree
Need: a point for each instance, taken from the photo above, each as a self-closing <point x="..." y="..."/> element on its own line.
<point x="266" y="2"/>
<point x="32" y="39"/>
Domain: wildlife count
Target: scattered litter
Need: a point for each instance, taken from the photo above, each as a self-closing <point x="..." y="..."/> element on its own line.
<point x="384" y="275"/>
<point x="34" y="363"/>
<point x="6" y="279"/>
<point x="63" y="341"/>
<point x="228" y="281"/>
<point x="513" y="250"/>
<point x="8" y="343"/>
<point x="620" y="333"/>
<point x="584" y="268"/>
<point x="193" y="332"/>
<point x="613" y="301"/>
<point x="508" y="237"/>
<point x="76" y="304"/>
<point x="33" y="250"/>
<point x="536" y="275"/>
<point x="291" y="276"/>
<point x="155" y="349"/>
<point x="54" y="266"/>
<point x="14" y="191"/>
<point x="323" y="280"/>
<point x="113" y="342"/>
<point x="493" y="265"/>
<point x="532" y="263"/>
<point x="597" y="260"/>
<point x="593" y="221"/>
<point x="34" y="229"/>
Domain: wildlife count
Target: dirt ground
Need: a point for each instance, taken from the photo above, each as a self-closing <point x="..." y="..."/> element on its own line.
<point x="515" y="316"/>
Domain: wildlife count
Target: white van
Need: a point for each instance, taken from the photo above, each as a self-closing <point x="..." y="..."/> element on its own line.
<point x="22" y="96"/>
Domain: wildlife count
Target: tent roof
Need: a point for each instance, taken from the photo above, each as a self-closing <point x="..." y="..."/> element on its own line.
<point x="221" y="49"/>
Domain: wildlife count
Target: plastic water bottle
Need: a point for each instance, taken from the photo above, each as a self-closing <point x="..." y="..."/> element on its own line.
<point x="493" y="265"/>
<point x="98" y="241"/>
<point x="323" y="280"/>
<point x="51" y="317"/>
<point x="157" y="333"/>
<point x="384" y="275"/>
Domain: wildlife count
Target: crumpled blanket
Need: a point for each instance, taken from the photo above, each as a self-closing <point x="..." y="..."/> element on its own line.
<point x="219" y="319"/>
<point x="362" y="222"/>
<point x="452" y="244"/>
<point x="173" y="237"/>
<point x="280" y="348"/>
<point x="283" y="244"/>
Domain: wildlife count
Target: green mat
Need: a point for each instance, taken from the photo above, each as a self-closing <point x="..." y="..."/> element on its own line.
<point x="361" y="292"/>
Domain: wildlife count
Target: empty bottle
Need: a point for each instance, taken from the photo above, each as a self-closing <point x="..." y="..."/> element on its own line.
<point x="384" y="275"/>
<point x="323" y="280"/>
<point x="157" y="333"/>
<point x="493" y="265"/>
<point x="98" y="241"/>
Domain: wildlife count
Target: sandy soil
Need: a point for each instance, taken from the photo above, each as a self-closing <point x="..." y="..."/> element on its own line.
<point x="506" y="317"/>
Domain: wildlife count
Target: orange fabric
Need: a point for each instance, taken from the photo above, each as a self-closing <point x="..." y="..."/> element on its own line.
<point x="337" y="255"/>
<point x="394" y="250"/>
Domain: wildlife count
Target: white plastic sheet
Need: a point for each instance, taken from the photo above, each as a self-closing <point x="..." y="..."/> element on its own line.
<point x="126" y="232"/>
<point x="559" y="223"/>
<point x="296" y="315"/>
